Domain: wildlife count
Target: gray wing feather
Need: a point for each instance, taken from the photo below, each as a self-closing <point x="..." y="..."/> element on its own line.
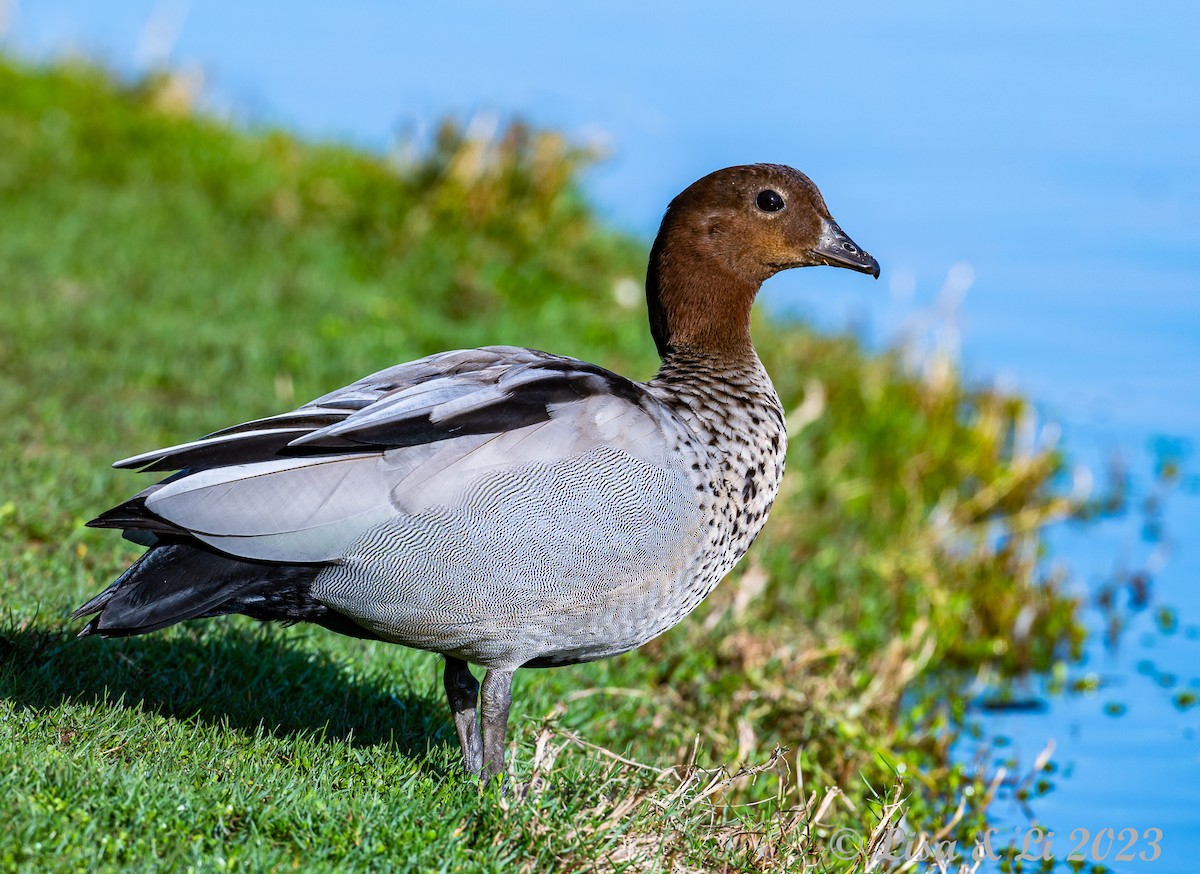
<point x="312" y="510"/>
<point x="430" y="431"/>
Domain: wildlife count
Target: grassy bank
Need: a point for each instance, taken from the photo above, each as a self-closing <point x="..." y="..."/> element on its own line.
<point x="162" y="276"/>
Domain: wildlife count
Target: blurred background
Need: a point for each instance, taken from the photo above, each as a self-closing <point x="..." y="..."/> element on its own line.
<point x="1026" y="173"/>
<point x="1049" y="151"/>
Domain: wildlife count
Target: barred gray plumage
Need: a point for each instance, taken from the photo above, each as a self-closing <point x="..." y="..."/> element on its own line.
<point x="527" y="563"/>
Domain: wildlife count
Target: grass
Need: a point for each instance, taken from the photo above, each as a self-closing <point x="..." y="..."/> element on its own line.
<point x="163" y="275"/>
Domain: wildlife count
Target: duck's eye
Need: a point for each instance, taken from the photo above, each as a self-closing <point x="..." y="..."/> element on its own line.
<point x="769" y="201"/>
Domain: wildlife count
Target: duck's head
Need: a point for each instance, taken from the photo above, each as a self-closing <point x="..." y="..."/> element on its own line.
<point x="722" y="238"/>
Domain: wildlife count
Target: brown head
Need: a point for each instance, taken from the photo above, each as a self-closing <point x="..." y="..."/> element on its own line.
<point x="722" y="238"/>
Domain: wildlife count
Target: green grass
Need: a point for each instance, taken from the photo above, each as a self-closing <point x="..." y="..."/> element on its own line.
<point x="162" y="275"/>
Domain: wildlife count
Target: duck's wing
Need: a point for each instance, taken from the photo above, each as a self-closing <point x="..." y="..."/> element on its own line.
<point x="302" y="486"/>
<point x="417" y="385"/>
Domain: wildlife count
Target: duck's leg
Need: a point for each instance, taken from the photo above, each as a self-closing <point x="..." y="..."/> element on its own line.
<point x="462" y="691"/>
<point x="495" y="701"/>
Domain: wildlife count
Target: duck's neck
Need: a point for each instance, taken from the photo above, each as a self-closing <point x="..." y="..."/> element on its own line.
<point x="716" y="389"/>
<point x="699" y="307"/>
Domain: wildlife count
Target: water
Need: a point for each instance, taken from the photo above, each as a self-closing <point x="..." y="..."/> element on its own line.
<point x="1028" y="170"/>
<point x="1126" y="752"/>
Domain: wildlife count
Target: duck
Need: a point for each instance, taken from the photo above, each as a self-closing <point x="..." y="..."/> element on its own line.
<point x="505" y="507"/>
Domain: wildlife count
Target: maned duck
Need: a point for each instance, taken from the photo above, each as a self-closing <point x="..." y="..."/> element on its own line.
<point x="504" y="507"/>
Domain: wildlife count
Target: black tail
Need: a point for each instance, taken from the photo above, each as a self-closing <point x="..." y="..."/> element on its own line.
<point x="176" y="581"/>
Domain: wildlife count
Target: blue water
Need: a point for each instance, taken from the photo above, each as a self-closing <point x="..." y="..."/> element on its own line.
<point x="1044" y="156"/>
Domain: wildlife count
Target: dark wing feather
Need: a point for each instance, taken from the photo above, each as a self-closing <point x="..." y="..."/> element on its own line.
<point x="275" y="436"/>
<point x="522" y="395"/>
<point x="133" y="515"/>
